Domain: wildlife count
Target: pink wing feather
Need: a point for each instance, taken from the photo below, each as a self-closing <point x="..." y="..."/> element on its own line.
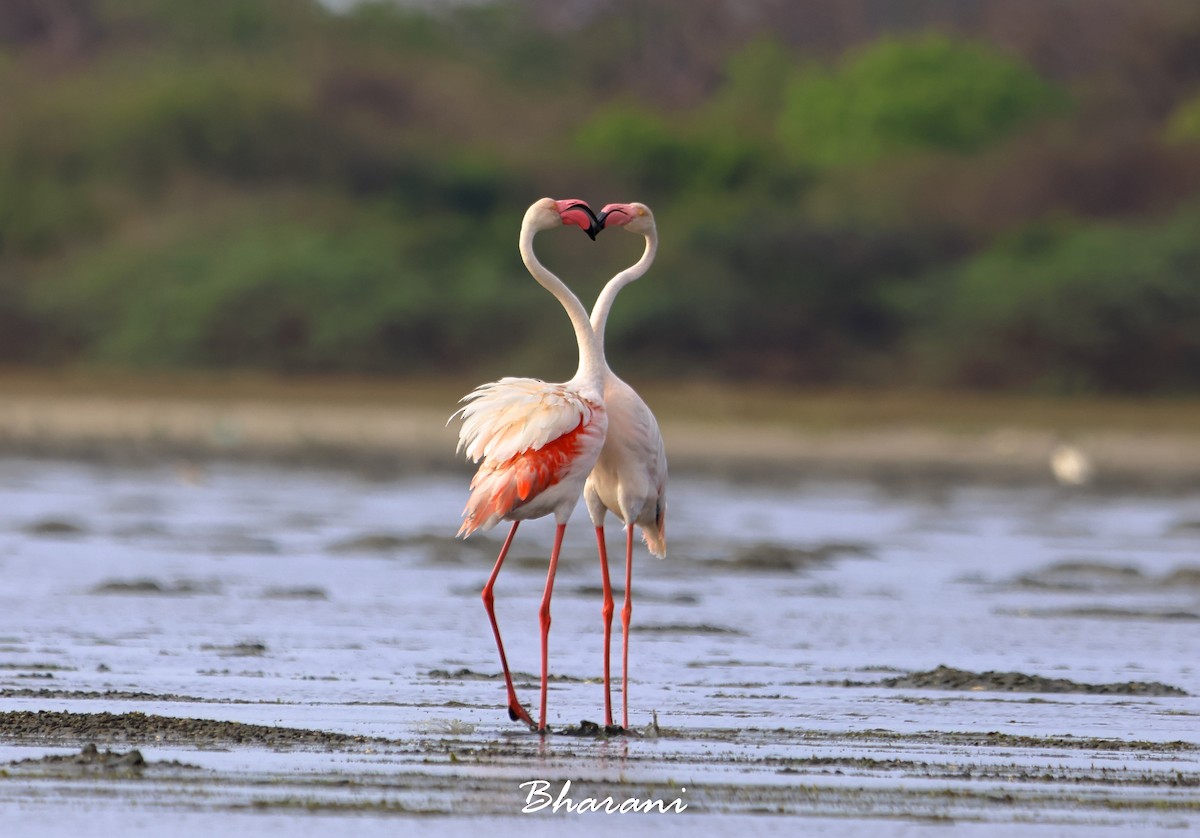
<point x="527" y="433"/>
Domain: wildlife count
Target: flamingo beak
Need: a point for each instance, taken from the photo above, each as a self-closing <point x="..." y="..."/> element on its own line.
<point x="580" y="214"/>
<point x="623" y="215"/>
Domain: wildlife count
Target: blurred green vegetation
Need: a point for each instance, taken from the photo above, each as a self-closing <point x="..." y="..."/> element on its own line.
<point x="896" y="96"/>
<point x="932" y="197"/>
<point x="1077" y="308"/>
<point x="1184" y="125"/>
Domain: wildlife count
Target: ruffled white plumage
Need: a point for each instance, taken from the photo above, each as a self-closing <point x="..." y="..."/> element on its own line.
<point x="508" y="417"/>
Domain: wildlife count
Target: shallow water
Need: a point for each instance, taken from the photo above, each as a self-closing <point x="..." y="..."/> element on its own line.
<point x="330" y="602"/>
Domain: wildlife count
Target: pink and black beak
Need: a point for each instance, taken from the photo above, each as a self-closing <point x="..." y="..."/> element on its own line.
<point x="580" y="214"/>
<point x="620" y="213"/>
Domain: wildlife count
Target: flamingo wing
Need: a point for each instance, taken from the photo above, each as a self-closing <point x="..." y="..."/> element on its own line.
<point x="526" y="434"/>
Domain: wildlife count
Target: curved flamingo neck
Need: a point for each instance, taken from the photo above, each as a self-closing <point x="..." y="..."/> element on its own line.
<point x="591" y="352"/>
<point x="608" y="294"/>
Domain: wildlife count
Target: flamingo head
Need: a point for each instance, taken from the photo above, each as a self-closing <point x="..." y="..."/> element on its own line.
<point x="547" y="213"/>
<point x="574" y="211"/>
<point x="636" y="218"/>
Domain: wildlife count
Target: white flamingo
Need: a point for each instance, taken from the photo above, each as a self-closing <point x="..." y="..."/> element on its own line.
<point x="630" y="475"/>
<point x="536" y="442"/>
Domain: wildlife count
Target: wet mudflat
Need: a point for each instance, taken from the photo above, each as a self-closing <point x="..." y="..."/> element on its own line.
<point x="245" y="650"/>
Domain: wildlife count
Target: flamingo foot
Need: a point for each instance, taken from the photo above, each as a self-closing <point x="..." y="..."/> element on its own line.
<point x="518" y="714"/>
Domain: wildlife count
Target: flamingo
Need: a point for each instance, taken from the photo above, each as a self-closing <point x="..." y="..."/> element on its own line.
<point x="535" y="442"/>
<point x="630" y="475"/>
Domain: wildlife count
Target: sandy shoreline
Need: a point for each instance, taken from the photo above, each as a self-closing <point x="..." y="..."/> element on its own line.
<point x="387" y="429"/>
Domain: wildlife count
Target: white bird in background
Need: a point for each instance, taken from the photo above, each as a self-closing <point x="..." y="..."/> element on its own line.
<point x="630" y="476"/>
<point x="535" y="442"/>
<point x="1071" y="467"/>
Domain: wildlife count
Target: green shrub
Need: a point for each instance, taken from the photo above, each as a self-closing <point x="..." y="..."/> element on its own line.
<point x="727" y="144"/>
<point x="1100" y="307"/>
<point x="900" y="95"/>
<point x="39" y="213"/>
<point x="74" y="150"/>
<point x="744" y="289"/>
<point x="751" y="94"/>
<point x="231" y="123"/>
<point x="343" y="290"/>
<point x="1184" y="124"/>
<point x="274" y="294"/>
<point x="629" y="138"/>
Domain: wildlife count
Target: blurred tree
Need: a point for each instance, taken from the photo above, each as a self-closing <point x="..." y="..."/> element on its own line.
<point x="1070" y="309"/>
<point x="628" y="137"/>
<point x="905" y="95"/>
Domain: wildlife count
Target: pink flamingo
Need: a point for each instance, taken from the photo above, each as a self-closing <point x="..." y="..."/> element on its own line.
<point x="535" y="442"/>
<point x="630" y="475"/>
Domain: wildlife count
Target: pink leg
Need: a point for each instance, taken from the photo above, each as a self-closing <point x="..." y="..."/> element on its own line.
<point x="515" y="710"/>
<point x="607" y="612"/>
<point x="626" y="613"/>
<point x="544" y="616"/>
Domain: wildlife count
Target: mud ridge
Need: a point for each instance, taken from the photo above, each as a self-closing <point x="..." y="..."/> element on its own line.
<point x="55" y="727"/>
<point x="109" y="695"/>
<point x="465" y="674"/>
<point x="949" y="678"/>
<point x="768" y="557"/>
<point x="1098" y="576"/>
<point x="152" y="587"/>
<point x="91" y="760"/>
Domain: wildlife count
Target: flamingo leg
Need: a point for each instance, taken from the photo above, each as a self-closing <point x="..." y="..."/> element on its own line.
<point x="544" y="618"/>
<point x="606" y="612"/>
<point x="626" y="613"/>
<point x="515" y="710"/>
